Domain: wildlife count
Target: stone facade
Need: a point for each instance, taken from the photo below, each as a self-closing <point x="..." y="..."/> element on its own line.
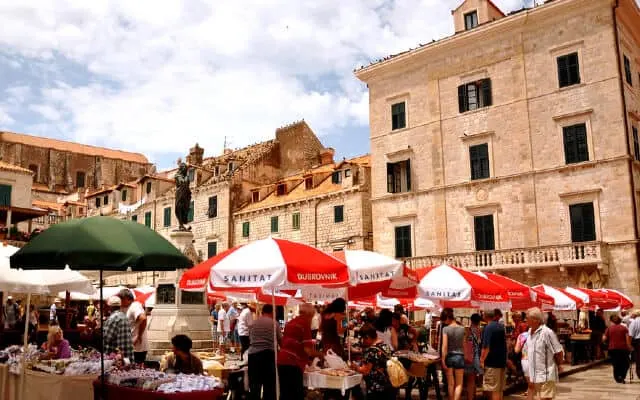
<point x="305" y="211"/>
<point x="530" y="185"/>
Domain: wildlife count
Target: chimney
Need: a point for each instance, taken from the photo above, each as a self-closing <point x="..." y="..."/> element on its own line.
<point x="195" y="155"/>
<point x="326" y="156"/>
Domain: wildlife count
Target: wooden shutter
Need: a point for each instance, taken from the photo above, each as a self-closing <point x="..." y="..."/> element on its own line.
<point x="274" y="224"/>
<point x="167" y="216"/>
<point x="463" y="103"/>
<point x="582" y="149"/>
<point x="408" y="173"/>
<point x="212" y="212"/>
<point x="391" y="188"/>
<point x="295" y="221"/>
<point x="5" y="195"/>
<point x="583" y="227"/>
<point x="484" y="232"/>
<point x="486" y="92"/>
<point x="97" y="201"/>
<point x="573" y="68"/>
<point x="570" y="145"/>
<point x="212" y="249"/>
<point x="190" y="214"/>
<point x="563" y="71"/>
<point x="147" y="219"/>
<point x="403" y="241"/>
<point x="338" y="214"/>
<point x="245" y="229"/>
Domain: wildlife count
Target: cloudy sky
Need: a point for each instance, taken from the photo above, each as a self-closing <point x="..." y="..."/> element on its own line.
<point x="157" y="76"/>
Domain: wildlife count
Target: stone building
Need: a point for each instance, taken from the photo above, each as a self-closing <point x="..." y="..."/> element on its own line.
<point x="513" y="144"/>
<point x="220" y="185"/>
<point x="326" y="207"/>
<point x="16" y="207"/>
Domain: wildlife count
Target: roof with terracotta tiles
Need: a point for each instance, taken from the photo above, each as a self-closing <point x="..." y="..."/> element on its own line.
<point x="62" y="145"/>
<point x="47" y="205"/>
<point x="155" y="177"/>
<point x="299" y="191"/>
<point x="4" y="166"/>
<point x="74" y="203"/>
<point x="41" y="187"/>
<point x="100" y="191"/>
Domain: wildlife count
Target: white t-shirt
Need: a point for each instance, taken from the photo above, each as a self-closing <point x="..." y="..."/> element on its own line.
<point x="223" y="321"/>
<point x="245" y="320"/>
<point x="134" y="311"/>
<point x="52" y="312"/>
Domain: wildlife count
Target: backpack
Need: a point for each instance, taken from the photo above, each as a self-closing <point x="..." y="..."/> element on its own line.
<point x="398" y="376"/>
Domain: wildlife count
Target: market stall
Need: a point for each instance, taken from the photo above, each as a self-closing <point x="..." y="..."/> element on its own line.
<point x="422" y="370"/>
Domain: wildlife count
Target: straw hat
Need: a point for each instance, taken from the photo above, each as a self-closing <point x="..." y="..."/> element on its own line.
<point x="114" y="301"/>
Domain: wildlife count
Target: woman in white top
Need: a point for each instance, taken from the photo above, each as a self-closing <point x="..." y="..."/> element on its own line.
<point x="386" y="333"/>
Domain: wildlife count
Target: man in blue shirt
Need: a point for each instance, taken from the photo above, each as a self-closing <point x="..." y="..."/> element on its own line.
<point x="494" y="355"/>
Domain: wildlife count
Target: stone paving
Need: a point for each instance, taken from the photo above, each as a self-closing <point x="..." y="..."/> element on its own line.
<point x="594" y="384"/>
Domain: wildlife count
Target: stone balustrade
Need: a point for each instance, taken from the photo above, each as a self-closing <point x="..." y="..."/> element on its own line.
<point x="568" y="255"/>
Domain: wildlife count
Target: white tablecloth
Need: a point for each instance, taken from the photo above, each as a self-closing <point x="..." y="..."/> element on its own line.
<point x="314" y="380"/>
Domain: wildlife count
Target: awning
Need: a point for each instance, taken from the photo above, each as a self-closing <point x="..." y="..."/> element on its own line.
<point x="19" y="214"/>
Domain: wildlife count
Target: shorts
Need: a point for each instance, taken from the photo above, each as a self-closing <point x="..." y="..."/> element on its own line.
<point x="454" y="360"/>
<point x="525" y="367"/>
<point x="494" y="379"/>
<point x="474" y="367"/>
<point x="546" y="390"/>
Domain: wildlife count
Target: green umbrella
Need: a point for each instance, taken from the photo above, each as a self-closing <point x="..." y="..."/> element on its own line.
<point x="100" y="243"/>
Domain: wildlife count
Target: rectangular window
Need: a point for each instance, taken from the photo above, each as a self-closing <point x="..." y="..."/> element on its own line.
<point x="148" y="187"/>
<point x="147" y="219"/>
<point x="470" y="20"/>
<point x="98" y="201"/>
<point x="403" y="241"/>
<point x="338" y="214"/>
<point x="191" y="213"/>
<point x="123" y="195"/>
<point x="5" y="195"/>
<point x="134" y="218"/>
<point x="568" y="70"/>
<point x="106" y="200"/>
<point x="295" y="221"/>
<point x="231" y="166"/>
<point x="399" y="177"/>
<point x="583" y="225"/>
<point x="80" y="179"/>
<point x="308" y="183"/>
<point x="627" y="71"/>
<point x="336" y="177"/>
<point x="245" y="229"/>
<point x="255" y="196"/>
<point x="347" y="173"/>
<point x="474" y="95"/>
<point x="483" y="228"/>
<point x="636" y="143"/>
<point x="167" y="217"/>
<point x="575" y="143"/>
<point x="212" y="249"/>
<point x="479" y="158"/>
<point x="216" y="170"/>
<point x="191" y="174"/>
<point x="281" y="190"/>
<point x="212" y="211"/>
<point x="398" y="116"/>
<point x="274" y="224"/>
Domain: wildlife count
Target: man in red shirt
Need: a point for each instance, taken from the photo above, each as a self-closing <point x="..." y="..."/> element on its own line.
<point x="295" y="351"/>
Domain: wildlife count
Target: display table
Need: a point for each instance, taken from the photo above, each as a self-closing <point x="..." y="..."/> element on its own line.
<point x="581" y="348"/>
<point x="422" y="374"/>
<point x="43" y="386"/>
<point x="315" y="380"/>
<point x="113" y="392"/>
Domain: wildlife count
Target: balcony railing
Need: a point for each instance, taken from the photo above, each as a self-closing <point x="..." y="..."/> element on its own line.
<point x="569" y="255"/>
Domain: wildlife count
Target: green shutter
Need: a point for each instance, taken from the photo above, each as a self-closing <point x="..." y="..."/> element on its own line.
<point x="295" y="222"/>
<point x="167" y="216"/>
<point x="147" y="219"/>
<point x="274" y="224"/>
<point x="212" y="249"/>
<point x="245" y="229"/>
<point x="5" y="195"/>
<point x="338" y="214"/>
<point x="190" y="215"/>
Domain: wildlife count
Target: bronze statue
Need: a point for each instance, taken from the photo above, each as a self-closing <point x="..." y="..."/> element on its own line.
<point x="183" y="196"/>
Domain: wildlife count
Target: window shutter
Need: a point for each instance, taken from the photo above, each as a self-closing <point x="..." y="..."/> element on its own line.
<point x="212" y="249"/>
<point x="5" y="195"/>
<point x="408" y="172"/>
<point x="570" y="145"/>
<point x="245" y="229"/>
<point x="274" y="224"/>
<point x="486" y="92"/>
<point x="562" y="72"/>
<point x="167" y="216"/>
<point x="581" y="142"/>
<point x="589" y="222"/>
<point x="147" y="219"/>
<point x="190" y="214"/>
<point x="489" y="235"/>
<point x="574" y="68"/>
<point x="212" y="212"/>
<point x="463" y="104"/>
<point x="390" y="180"/>
<point x="577" y="226"/>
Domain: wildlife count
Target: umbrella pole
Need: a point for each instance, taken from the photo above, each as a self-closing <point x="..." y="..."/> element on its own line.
<point x="26" y="344"/>
<point x="103" y="389"/>
<point x="348" y="330"/>
<point x="275" y="342"/>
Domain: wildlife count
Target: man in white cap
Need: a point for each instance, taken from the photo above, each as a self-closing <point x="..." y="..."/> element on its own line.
<point x="117" y="330"/>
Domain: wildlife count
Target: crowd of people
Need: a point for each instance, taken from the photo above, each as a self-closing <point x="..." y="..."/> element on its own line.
<point x="480" y="353"/>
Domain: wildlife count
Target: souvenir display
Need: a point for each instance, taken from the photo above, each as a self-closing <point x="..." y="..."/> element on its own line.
<point x="148" y="379"/>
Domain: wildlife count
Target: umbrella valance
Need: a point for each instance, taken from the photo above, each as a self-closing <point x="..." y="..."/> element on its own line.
<point x="103" y="243"/>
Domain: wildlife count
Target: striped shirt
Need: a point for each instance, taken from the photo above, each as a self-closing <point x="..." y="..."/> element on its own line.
<point x="261" y="335"/>
<point x="542" y="345"/>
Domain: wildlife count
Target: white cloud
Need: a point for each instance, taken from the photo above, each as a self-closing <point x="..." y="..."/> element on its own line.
<point x="165" y="74"/>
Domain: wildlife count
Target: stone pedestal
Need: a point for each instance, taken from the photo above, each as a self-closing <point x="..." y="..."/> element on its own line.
<point x="171" y="316"/>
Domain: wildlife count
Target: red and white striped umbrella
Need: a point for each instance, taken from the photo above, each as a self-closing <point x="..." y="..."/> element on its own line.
<point x="522" y="297"/>
<point x="390" y="303"/>
<point x="267" y="263"/>
<point x="455" y="287"/>
<point x="257" y="295"/>
<point x="367" y="267"/>
<point x="564" y="301"/>
<point x="623" y="300"/>
<point x="592" y="298"/>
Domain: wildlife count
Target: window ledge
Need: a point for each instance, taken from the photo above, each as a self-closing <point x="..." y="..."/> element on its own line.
<point x="398" y="153"/>
<point x="579" y="193"/>
<point x="477" y="110"/>
<point x="480" y="135"/>
<point x="566" y="47"/>
<point x="394" y="131"/>
<point x="573" y="114"/>
<point x="570" y="87"/>
<point x="402" y="217"/>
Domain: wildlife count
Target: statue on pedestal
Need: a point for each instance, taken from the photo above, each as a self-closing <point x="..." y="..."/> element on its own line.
<point x="183" y="196"/>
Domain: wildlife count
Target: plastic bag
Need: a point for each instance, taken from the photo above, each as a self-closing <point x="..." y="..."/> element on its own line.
<point x="334" y="361"/>
<point x="397" y="374"/>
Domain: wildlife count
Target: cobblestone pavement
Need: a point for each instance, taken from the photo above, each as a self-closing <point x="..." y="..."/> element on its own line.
<point x="594" y="384"/>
